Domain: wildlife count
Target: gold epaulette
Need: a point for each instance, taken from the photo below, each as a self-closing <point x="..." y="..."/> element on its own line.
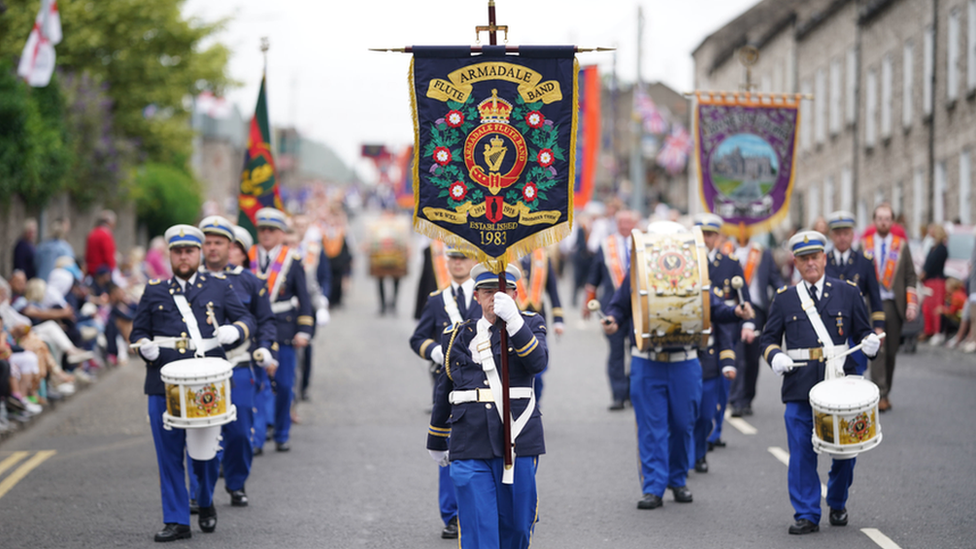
<point x="154" y="281"/>
<point x="435" y="292"/>
<point x="851" y="282"/>
<point x="718" y="292"/>
<point x="783" y="289"/>
<point x="219" y="276"/>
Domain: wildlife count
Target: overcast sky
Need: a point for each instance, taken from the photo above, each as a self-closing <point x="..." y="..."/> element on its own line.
<point x="323" y="79"/>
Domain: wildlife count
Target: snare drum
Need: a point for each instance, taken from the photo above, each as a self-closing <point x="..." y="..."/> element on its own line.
<point x="198" y="400"/>
<point x="669" y="289"/>
<point x="845" y="416"/>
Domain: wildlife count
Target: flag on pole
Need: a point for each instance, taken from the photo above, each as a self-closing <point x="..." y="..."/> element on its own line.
<point x="648" y="113"/>
<point x="587" y="135"/>
<point x="37" y="61"/>
<point x="259" y="181"/>
<point x="674" y="154"/>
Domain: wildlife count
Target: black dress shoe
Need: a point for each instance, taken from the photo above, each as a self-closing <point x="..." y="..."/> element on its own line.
<point x="649" y="501"/>
<point x="838" y="517"/>
<point x="804" y="526"/>
<point x="257" y="451"/>
<point x="194" y="508"/>
<point x="282" y="447"/>
<point x="208" y="518"/>
<point x="238" y="498"/>
<point x="737" y="412"/>
<point x="681" y="494"/>
<point x="173" y="532"/>
<point x="450" y="531"/>
<point x="616" y="406"/>
<point x="701" y="466"/>
<point x="717" y="444"/>
<point x="747" y="411"/>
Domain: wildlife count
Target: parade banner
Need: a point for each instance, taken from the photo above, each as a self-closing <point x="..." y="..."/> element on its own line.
<point x="495" y="144"/>
<point x="587" y="135"/>
<point x="403" y="186"/>
<point x="745" y="150"/>
<point x="259" y="181"/>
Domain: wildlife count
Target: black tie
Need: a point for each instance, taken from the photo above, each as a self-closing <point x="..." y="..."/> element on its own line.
<point x="267" y="261"/>
<point x="461" y="302"/>
<point x="813" y="295"/>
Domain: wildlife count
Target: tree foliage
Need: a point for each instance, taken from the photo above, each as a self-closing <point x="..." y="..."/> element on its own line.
<point x="165" y="196"/>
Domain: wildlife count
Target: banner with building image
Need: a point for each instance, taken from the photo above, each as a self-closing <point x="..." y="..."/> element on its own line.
<point x="745" y="150"/>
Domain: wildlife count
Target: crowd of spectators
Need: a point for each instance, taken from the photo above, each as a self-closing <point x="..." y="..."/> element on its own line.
<point x="65" y="316"/>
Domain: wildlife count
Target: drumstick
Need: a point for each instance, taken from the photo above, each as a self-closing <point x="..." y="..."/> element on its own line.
<point x="852" y="350"/>
<point x="594" y="307"/>
<point x="737" y="284"/>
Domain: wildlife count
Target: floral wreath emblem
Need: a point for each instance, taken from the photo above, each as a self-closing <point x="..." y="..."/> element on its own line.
<point x="859" y="427"/>
<point x="207" y="399"/>
<point x="493" y="140"/>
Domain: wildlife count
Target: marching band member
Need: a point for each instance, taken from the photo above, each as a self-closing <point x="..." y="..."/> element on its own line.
<point x="817" y="316"/>
<point x="717" y="362"/>
<point x="219" y="240"/>
<point x="538" y="276"/>
<point x="468" y="409"/>
<point x="442" y="310"/>
<point x="845" y="263"/>
<point x="897" y="278"/>
<point x="763" y="278"/>
<point x="607" y="271"/>
<point x="666" y="391"/>
<point x="318" y="274"/>
<point x="288" y="292"/>
<point x="190" y="305"/>
<point x="722" y="268"/>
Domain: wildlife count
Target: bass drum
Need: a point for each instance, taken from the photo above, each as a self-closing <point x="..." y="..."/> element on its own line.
<point x="669" y="290"/>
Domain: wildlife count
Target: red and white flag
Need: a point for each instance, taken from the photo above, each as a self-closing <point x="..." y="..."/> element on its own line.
<point x="648" y="113"/>
<point x="674" y="154"/>
<point x="37" y="61"/>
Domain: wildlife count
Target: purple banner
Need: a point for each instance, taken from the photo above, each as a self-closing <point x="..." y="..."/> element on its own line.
<point x="746" y="155"/>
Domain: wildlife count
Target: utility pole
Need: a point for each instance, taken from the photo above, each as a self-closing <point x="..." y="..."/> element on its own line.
<point x="637" y="130"/>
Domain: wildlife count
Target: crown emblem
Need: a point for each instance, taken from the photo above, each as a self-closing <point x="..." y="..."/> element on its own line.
<point x="182" y="234"/>
<point x="495" y="109"/>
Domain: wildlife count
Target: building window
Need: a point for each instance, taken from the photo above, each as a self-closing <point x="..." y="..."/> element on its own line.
<point x="971" y="47"/>
<point x="846" y="189"/>
<point x="928" y="70"/>
<point x="965" y="187"/>
<point x="938" y="193"/>
<point x="871" y="108"/>
<point x="850" y="97"/>
<point x="836" y="86"/>
<point x="952" y="60"/>
<point x="918" y="201"/>
<point x="886" y="70"/>
<point x="862" y="215"/>
<point x="820" y="106"/>
<point x="907" y="94"/>
<point x="805" y="118"/>
<point x="898" y="198"/>
<point x="778" y="86"/>
<point x="813" y="205"/>
<point x="828" y="196"/>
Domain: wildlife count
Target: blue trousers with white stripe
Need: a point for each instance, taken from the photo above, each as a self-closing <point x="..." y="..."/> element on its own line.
<point x="723" y="399"/>
<point x="263" y="408"/>
<point x="492" y="515"/>
<point x="804" y="481"/>
<point x="706" y="420"/>
<point x="170" y="446"/>
<point x="666" y="398"/>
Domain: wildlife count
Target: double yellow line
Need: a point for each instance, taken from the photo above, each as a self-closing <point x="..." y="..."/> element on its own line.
<point x="22" y="471"/>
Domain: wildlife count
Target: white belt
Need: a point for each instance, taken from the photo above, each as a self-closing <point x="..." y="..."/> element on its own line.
<point x="185" y="343"/>
<point x="828" y="351"/>
<point x="485" y="395"/>
<point x="664" y="356"/>
<point x="239" y="354"/>
<point x="279" y="307"/>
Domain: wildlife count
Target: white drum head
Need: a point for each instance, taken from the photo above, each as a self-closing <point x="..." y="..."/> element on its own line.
<point x="196" y="370"/>
<point x="843" y="394"/>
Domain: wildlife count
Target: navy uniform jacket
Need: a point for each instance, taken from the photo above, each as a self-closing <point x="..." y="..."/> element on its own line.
<point x="433" y="321"/>
<point x="298" y="319"/>
<point x="860" y="270"/>
<point x="158" y="316"/>
<point x="475" y="429"/>
<point x="768" y="280"/>
<point x="600" y="278"/>
<point x="718" y="355"/>
<point x="841" y="308"/>
<point x="253" y="293"/>
<point x="620" y="309"/>
<point x="720" y="271"/>
<point x="552" y="287"/>
<point x="323" y="274"/>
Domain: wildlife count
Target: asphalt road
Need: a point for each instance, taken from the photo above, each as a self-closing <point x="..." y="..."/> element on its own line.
<point x="358" y="474"/>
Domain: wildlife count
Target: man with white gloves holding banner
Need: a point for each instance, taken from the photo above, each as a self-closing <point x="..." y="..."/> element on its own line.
<point x="817" y="316"/>
<point x="442" y="310"/>
<point x="191" y="314"/>
<point x="496" y="505"/>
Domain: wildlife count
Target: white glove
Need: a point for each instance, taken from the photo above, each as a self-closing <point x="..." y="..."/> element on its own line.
<point x="437" y="355"/>
<point x="322" y="317"/>
<point x="262" y="357"/>
<point x="439" y="457"/>
<point x="507" y="310"/>
<point x="727" y="370"/>
<point x="782" y="364"/>
<point x="871" y="345"/>
<point x="148" y="349"/>
<point x="89" y="309"/>
<point x="227" y="334"/>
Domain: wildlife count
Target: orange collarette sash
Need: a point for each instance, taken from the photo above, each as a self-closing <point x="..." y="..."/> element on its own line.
<point x="273" y="269"/>
<point x="752" y="261"/>
<point x="531" y="300"/>
<point x="886" y="273"/>
<point x="614" y="262"/>
<point x="439" y="262"/>
<point x="333" y="245"/>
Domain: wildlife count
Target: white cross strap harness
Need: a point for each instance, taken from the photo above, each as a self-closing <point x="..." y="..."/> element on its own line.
<point x="450" y="305"/>
<point x="191" y="326"/>
<point x="830" y="352"/>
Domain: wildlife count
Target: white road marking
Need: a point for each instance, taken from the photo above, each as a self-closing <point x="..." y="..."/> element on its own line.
<point x="740" y="424"/>
<point x="882" y="540"/>
<point x="784" y="457"/>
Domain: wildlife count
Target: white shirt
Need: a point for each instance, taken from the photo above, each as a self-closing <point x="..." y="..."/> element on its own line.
<point x="842" y="257"/>
<point x="819" y="284"/>
<point x="880" y="262"/>
<point x="183" y="283"/>
<point x="468" y="286"/>
<point x="742" y="254"/>
<point x="263" y="255"/>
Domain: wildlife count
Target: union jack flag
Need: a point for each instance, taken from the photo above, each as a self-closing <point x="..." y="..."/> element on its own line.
<point x="650" y="116"/>
<point x="674" y="154"/>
